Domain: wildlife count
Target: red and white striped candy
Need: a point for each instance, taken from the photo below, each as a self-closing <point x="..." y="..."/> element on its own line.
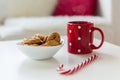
<point x="76" y="68"/>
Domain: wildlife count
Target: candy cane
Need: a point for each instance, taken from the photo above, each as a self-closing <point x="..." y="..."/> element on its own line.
<point x="76" y="68"/>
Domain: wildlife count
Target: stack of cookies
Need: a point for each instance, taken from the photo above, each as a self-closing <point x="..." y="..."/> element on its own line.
<point x="52" y="39"/>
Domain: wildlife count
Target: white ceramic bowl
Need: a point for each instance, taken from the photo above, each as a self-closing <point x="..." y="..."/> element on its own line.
<point x="39" y="52"/>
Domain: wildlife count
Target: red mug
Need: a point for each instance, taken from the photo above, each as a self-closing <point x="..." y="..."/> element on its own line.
<point x="80" y="37"/>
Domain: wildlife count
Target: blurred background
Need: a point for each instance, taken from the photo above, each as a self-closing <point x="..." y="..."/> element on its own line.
<point x="21" y="18"/>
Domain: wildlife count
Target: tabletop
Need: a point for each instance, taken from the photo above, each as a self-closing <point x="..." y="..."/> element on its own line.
<point x="16" y="66"/>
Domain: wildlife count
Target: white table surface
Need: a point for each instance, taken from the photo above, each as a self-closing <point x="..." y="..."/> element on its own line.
<point x="16" y="66"/>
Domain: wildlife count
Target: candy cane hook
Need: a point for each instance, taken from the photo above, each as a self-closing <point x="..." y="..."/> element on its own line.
<point x="76" y="68"/>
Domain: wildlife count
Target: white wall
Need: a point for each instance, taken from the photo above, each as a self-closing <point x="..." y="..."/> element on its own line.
<point x="105" y="7"/>
<point x="116" y="20"/>
<point x="16" y="8"/>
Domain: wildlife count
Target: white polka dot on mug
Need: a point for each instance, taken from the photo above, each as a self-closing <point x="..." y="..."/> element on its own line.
<point x="80" y="37"/>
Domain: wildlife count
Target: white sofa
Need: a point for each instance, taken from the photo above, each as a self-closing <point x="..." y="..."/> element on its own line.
<point x="17" y="23"/>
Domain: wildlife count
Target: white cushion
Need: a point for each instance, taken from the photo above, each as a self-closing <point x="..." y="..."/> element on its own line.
<point x="52" y="22"/>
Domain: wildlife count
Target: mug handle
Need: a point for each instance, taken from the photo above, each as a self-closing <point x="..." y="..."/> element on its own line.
<point x="102" y="35"/>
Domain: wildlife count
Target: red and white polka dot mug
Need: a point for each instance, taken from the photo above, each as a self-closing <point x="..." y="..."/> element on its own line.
<point x="80" y="37"/>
